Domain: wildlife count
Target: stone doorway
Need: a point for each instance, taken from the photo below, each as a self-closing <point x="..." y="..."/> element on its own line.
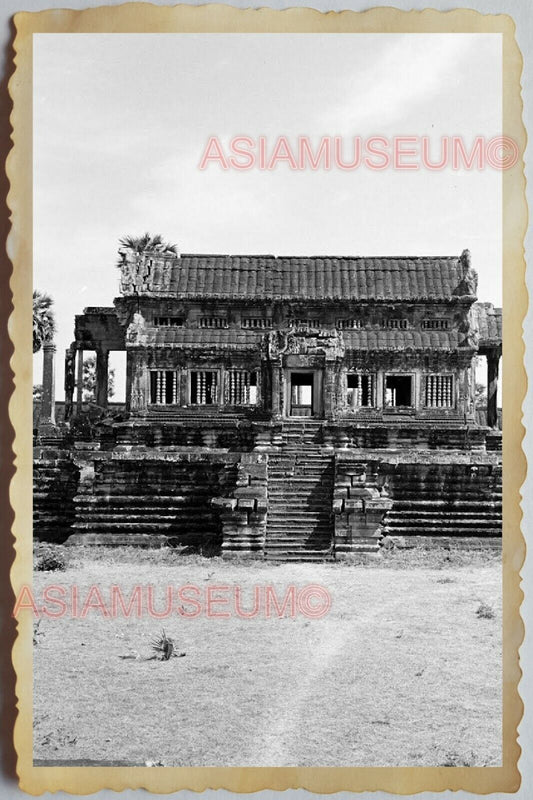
<point x="305" y="393"/>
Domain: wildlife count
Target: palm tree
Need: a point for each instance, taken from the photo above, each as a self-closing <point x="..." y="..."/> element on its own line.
<point x="89" y="380"/>
<point x="142" y="244"/>
<point x="44" y="324"/>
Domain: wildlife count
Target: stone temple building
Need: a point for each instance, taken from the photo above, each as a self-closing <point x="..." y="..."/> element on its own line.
<point x="284" y="408"/>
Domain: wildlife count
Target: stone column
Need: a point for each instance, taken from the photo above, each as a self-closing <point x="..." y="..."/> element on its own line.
<point x="129" y="380"/>
<point x="48" y="414"/>
<point x="183" y="378"/>
<point x="70" y="380"/>
<point x="380" y="389"/>
<point x="79" y="383"/>
<point x="102" y="361"/>
<point x="140" y="387"/>
<point x="328" y="391"/>
<point x="493" y="360"/>
<point x="276" y="389"/>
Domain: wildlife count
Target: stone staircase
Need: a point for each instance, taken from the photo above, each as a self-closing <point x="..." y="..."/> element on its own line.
<point x="448" y="502"/>
<point x="300" y="491"/>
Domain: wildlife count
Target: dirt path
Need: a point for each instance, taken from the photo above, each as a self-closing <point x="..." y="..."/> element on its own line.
<point x="401" y="671"/>
<point x="277" y="744"/>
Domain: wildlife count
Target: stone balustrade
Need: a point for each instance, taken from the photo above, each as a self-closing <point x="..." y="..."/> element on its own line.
<point x="359" y="505"/>
<point x="244" y="515"/>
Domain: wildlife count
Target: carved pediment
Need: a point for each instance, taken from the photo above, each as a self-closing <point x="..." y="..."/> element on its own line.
<point x="312" y="341"/>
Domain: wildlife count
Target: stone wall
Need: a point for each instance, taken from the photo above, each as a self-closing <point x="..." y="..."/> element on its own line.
<point x="415" y="496"/>
<point x="152" y="498"/>
<point x="457" y="497"/>
<point x="55" y="482"/>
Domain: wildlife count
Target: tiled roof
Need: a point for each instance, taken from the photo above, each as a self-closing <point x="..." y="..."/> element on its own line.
<point x="362" y="339"/>
<point x="237" y="339"/>
<point x="205" y="338"/>
<point x="489" y="323"/>
<point x="320" y="278"/>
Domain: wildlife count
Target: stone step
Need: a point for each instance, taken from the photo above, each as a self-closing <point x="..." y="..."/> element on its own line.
<point x="303" y="451"/>
<point x="453" y="516"/>
<point x="141" y="525"/>
<point x="495" y="525"/>
<point x="127" y="501"/>
<point x="131" y="518"/>
<point x="440" y="483"/>
<point x="300" y="537"/>
<point x="303" y="556"/>
<point x="313" y="491"/>
<point x="300" y="534"/>
<point x="300" y="480"/>
<point x="293" y="503"/>
<point x="155" y="499"/>
<point x="118" y="540"/>
<point x="470" y="542"/>
<point x="435" y="492"/>
<point x="302" y="477"/>
<point x="300" y="513"/>
<point x="467" y="503"/>
<point x="300" y="484"/>
<point x="305" y="521"/>
<point x="321" y="543"/>
<point x="107" y="512"/>
<point x="435" y="530"/>
<point x="314" y="466"/>
<point x="280" y="525"/>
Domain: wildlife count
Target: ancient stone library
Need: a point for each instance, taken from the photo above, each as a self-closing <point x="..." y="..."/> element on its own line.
<point x="278" y="408"/>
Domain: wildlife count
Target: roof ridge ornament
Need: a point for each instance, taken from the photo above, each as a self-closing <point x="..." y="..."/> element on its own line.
<point x="468" y="285"/>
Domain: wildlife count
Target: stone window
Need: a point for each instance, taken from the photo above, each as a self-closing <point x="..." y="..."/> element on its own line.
<point x="204" y="387"/>
<point x="349" y="323"/>
<point x="297" y="322"/>
<point x="241" y="387"/>
<point x="398" y="391"/>
<point x="256" y="322"/>
<point x="163" y="387"/>
<point x="395" y="324"/>
<point x="212" y="322"/>
<point x="166" y="322"/>
<point x="360" y="390"/>
<point x="439" y="391"/>
<point x="435" y="324"/>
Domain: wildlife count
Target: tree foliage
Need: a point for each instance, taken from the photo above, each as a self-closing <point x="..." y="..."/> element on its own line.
<point x="89" y="380"/>
<point x="44" y="324"/>
<point x="147" y="242"/>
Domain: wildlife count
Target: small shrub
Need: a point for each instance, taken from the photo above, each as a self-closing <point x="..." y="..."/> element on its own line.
<point x="163" y="646"/>
<point x="485" y="611"/>
<point x="49" y="564"/>
<point x="49" y="559"/>
<point x="37" y="632"/>
<point x="455" y="760"/>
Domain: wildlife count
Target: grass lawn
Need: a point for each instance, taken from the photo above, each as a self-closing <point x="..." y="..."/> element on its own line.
<point x="404" y="670"/>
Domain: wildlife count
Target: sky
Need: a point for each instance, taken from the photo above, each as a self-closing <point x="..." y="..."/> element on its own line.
<point x="121" y="122"/>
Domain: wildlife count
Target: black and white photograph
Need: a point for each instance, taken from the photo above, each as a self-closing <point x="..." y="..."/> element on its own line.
<point x="267" y="399"/>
